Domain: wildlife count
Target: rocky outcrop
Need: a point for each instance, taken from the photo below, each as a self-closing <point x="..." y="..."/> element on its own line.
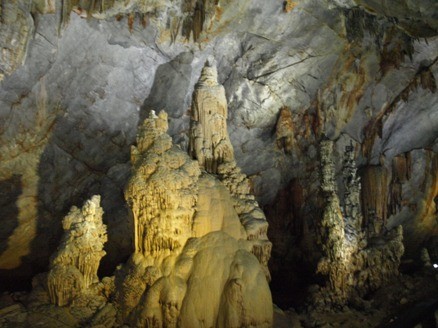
<point x="233" y="283"/>
<point x="73" y="268"/>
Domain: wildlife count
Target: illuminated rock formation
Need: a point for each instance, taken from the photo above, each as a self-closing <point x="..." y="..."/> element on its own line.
<point x="73" y="268"/>
<point x="352" y="264"/>
<point x="204" y="289"/>
<point x="209" y="141"/>
<point x="162" y="193"/>
<point x="351" y="180"/>
<point x="211" y="147"/>
<point x="251" y="216"/>
<point x="190" y="245"/>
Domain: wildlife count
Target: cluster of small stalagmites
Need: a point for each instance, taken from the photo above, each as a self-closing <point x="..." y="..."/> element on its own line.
<point x="162" y="191"/>
<point x="209" y="141"/>
<point x="73" y="267"/>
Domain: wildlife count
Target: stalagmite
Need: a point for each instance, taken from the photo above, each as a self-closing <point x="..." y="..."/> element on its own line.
<point x="209" y="141"/>
<point x="351" y="180"/>
<point x="211" y="147"/>
<point x="74" y="266"/>
<point x="351" y="264"/>
<point x="190" y="243"/>
<point x="162" y="192"/>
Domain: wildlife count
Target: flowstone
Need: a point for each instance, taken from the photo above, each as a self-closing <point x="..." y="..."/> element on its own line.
<point x="190" y="245"/>
<point x="73" y="267"/>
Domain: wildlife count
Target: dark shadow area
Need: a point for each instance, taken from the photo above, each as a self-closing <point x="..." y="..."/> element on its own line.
<point x="294" y="255"/>
<point x="168" y="93"/>
<point x="77" y="164"/>
<point x="81" y="159"/>
<point x="10" y="190"/>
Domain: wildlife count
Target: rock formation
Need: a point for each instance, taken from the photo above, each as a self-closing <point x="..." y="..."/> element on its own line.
<point x="374" y="198"/>
<point x="163" y="192"/>
<point x="209" y="141"/>
<point x="211" y="147"/>
<point x="16" y="28"/>
<point x="73" y="267"/>
<point x="352" y="264"/>
<point x="190" y="245"/>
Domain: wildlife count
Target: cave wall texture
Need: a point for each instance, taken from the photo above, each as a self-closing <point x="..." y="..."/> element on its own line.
<point x="79" y="76"/>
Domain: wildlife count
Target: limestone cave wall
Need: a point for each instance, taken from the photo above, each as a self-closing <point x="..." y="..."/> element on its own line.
<point x="79" y="77"/>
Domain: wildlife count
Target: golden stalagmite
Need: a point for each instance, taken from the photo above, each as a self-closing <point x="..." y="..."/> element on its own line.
<point x="190" y="245"/>
<point x="74" y="266"/>
<point x="209" y="141"/>
<point x="210" y="145"/>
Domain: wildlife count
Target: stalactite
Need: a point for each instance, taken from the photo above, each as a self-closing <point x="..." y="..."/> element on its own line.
<point x="285" y="131"/>
<point x="401" y="172"/>
<point x="374" y="198"/>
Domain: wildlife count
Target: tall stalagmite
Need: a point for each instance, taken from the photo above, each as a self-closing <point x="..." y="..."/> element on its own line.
<point x="74" y="266"/>
<point x="211" y="146"/>
<point x="209" y="141"/>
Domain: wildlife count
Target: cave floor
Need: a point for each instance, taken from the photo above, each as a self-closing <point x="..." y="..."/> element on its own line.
<point x="410" y="300"/>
